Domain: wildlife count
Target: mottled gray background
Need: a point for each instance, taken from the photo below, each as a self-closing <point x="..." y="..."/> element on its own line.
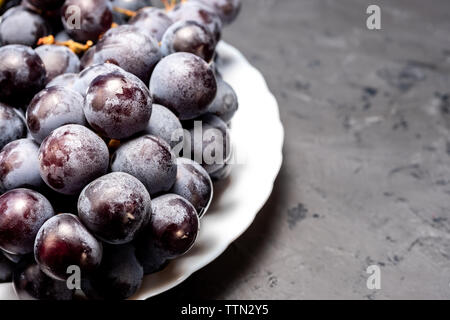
<point x="366" y="175"/>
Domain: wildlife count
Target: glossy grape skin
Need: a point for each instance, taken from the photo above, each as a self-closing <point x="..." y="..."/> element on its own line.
<point x="200" y="13"/>
<point x="189" y="36"/>
<point x="227" y="10"/>
<point x="152" y="21"/>
<point x="30" y="283"/>
<point x="165" y="124"/>
<point x="226" y="103"/>
<point x="118" y="105"/>
<point x="63" y="241"/>
<point x="173" y="228"/>
<point x="22" y="213"/>
<point x="149" y="159"/>
<point x="66" y="80"/>
<point x="58" y="60"/>
<point x="19" y="165"/>
<point x="214" y="149"/>
<point x="95" y="18"/>
<point x="22" y="74"/>
<point x="12" y="126"/>
<point x="86" y="76"/>
<point x="71" y="157"/>
<point x="194" y="184"/>
<point x="185" y="84"/>
<point x="52" y="108"/>
<point x="6" y="269"/>
<point x="118" y="277"/>
<point x="130" y="49"/>
<point x="115" y="207"/>
<point x="22" y="26"/>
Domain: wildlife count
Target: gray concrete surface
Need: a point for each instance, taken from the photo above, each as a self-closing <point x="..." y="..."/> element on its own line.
<point x="366" y="175"/>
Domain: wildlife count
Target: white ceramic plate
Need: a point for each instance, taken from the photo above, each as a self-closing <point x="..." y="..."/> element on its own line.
<point x="257" y="135"/>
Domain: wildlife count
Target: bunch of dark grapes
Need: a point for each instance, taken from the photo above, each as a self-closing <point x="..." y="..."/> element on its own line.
<point x="113" y="131"/>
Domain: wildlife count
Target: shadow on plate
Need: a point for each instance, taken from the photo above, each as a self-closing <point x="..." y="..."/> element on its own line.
<point x="213" y="281"/>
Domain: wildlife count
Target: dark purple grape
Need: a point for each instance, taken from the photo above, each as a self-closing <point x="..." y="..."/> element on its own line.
<point x="130" y="49"/>
<point x="150" y="256"/>
<point x="226" y="103"/>
<point x="71" y="157"/>
<point x="165" y="124"/>
<point x="46" y="5"/>
<point x="118" y="277"/>
<point x="19" y="165"/>
<point x="173" y="228"/>
<point x="21" y="26"/>
<point x="184" y="83"/>
<point x="22" y="213"/>
<point x="149" y="159"/>
<point x="194" y="184"/>
<point x="152" y="259"/>
<point x="115" y="207"/>
<point x="86" y="20"/>
<point x="52" y="17"/>
<point x="227" y="10"/>
<point x="30" y="283"/>
<point x="22" y="74"/>
<point x="52" y="108"/>
<point x="62" y="242"/>
<point x="6" y="269"/>
<point x="58" y="60"/>
<point x="86" y="76"/>
<point x="12" y="126"/>
<point x="209" y="143"/>
<point x="196" y="11"/>
<point x="189" y="36"/>
<point x="66" y="80"/>
<point x="118" y="105"/>
<point x="152" y="21"/>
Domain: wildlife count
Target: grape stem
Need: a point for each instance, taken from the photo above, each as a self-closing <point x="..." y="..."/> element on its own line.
<point x="113" y="145"/>
<point x="170" y="5"/>
<point x="76" y="47"/>
<point x="128" y="13"/>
